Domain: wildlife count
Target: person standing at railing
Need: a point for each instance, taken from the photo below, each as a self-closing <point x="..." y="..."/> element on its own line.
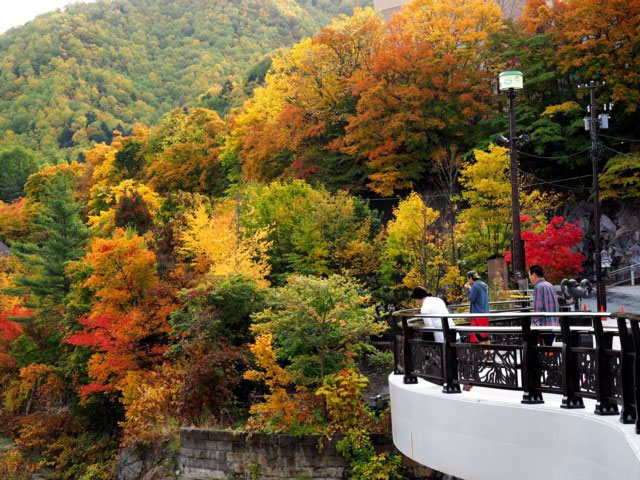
<point x="429" y="305"/>
<point x="545" y="299"/>
<point x="478" y="295"/>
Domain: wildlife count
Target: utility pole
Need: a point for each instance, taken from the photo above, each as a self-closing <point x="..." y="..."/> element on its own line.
<point x="593" y="122"/>
<point x="518" y="245"/>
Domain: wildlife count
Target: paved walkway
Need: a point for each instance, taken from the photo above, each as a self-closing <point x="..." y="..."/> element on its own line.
<point x="626" y="297"/>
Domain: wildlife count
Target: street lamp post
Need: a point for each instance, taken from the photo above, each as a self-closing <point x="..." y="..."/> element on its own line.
<point x="510" y="82"/>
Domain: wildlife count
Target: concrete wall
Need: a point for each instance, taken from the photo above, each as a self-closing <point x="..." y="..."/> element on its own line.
<point x="387" y="7"/>
<point x="217" y="454"/>
<point x="511" y="8"/>
<point x="488" y="434"/>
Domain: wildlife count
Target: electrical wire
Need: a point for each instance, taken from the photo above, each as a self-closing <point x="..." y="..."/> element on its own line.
<point x="619" y="153"/>
<point x="555" y="183"/>
<point x="618" y="138"/>
<point x="554" y="158"/>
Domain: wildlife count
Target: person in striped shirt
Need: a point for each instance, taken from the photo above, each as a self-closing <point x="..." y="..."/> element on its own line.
<point x="545" y="299"/>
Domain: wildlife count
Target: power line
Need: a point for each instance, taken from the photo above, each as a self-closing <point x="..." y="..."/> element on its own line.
<point x="554" y="182"/>
<point x="554" y="158"/>
<point x="620" y="139"/>
<point x="539" y="182"/>
<point x="619" y="153"/>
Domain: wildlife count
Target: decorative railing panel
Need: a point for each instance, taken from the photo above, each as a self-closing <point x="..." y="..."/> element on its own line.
<point x="549" y="366"/>
<point x="427" y="359"/>
<point x="586" y="363"/>
<point x="489" y="366"/>
<point x="582" y="361"/>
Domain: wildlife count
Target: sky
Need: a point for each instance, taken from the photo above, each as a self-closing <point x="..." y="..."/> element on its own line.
<point x="18" y="12"/>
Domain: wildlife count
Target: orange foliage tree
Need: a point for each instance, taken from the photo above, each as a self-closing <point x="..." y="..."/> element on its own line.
<point x="593" y="39"/>
<point x="291" y="126"/>
<point x="429" y="82"/>
<point x="183" y="152"/>
<point x="129" y="316"/>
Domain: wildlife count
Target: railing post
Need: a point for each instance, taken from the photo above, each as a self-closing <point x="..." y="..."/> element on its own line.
<point x="450" y="360"/>
<point x="604" y="406"/>
<point x="409" y="378"/>
<point x="569" y="368"/>
<point x="635" y="334"/>
<point x="394" y="331"/>
<point x="530" y="370"/>
<point x="628" y="412"/>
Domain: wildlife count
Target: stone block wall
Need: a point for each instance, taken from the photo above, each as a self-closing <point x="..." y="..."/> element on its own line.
<point x="219" y="454"/>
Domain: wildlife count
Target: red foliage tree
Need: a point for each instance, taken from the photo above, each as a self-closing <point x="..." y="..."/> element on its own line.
<point x="10" y="331"/>
<point x="553" y="249"/>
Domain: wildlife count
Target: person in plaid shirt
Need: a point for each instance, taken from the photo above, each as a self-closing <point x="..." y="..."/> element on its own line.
<point x="545" y="299"/>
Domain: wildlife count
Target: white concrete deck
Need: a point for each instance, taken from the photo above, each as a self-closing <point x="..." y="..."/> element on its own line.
<point x="489" y="434"/>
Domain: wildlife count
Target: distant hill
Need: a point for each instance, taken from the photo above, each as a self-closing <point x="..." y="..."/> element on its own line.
<point x="69" y="78"/>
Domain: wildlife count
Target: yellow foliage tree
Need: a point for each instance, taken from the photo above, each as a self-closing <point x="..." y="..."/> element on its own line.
<point x="412" y="245"/>
<point x="484" y="229"/>
<point x="280" y="412"/>
<point x="151" y="400"/>
<point x="220" y="245"/>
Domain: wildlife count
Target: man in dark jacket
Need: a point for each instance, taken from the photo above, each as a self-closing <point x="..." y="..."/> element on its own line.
<point x="478" y="295"/>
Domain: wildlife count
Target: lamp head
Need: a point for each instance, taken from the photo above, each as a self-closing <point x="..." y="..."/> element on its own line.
<point x="511" y="80"/>
<point x="502" y="141"/>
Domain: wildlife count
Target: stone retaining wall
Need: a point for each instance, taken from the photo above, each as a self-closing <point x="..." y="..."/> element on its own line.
<point x="217" y="454"/>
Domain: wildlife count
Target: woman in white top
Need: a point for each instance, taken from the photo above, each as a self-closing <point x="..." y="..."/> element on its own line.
<point x="429" y="304"/>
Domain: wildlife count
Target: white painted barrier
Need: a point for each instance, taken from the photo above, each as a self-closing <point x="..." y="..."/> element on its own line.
<point x="488" y="434"/>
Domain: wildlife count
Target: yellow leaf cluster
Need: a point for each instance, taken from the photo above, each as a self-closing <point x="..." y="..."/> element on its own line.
<point x="104" y="221"/>
<point x="221" y="248"/>
<point x="280" y="412"/>
<point x="151" y="400"/>
<point x="411" y="239"/>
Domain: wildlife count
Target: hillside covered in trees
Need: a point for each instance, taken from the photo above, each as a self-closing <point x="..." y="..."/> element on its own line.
<point x="222" y="270"/>
<point x="69" y="78"/>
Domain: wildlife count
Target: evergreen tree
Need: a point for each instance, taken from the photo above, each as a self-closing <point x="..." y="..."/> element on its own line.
<point x="61" y="235"/>
<point x="17" y="164"/>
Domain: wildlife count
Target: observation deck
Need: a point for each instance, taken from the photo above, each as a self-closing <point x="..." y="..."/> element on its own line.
<point x="566" y="410"/>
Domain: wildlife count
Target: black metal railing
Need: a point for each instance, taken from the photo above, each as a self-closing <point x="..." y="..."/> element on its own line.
<point x="581" y="363"/>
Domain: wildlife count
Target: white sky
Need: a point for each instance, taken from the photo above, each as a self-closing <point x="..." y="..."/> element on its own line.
<point x="18" y="12"/>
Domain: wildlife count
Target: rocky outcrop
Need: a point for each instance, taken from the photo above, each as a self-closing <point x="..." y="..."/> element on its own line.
<point x="146" y="463"/>
<point x="619" y="231"/>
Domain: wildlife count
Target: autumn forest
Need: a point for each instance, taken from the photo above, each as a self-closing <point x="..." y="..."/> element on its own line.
<point x="203" y="202"/>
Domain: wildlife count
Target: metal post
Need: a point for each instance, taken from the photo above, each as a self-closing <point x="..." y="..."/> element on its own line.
<point x="604" y="406"/>
<point x="409" y="377"/>
<point x="570" y="399"/>
<point x="518" y="246"/>
<point x="450" y="359"/>
<point x="602" y="295"/>
<point x="530" y="370"/>
<point x="635" y="334"/>
<point x="627" y="367"/>
<point x="593" y="133"/>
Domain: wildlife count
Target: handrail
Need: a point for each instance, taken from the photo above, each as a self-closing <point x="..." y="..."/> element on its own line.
<point x="635" y="266"/>
<point x="583" y="364"/>
<point x="632" y="270"/>
<point x="500" y="302"/>
<point x="414" y="312"/>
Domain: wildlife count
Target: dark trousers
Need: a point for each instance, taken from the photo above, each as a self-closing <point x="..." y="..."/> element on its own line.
<point x="547" y="339"/>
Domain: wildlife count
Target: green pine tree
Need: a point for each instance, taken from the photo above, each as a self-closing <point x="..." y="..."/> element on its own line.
<point x="61" y="235"/>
